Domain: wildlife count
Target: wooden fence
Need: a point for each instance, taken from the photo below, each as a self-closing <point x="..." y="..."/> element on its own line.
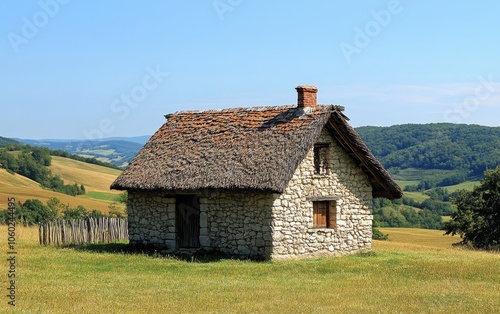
<point x="83" y="231"/>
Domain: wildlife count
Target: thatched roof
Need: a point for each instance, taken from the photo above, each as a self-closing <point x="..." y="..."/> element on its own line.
<point x="255" y="148"/>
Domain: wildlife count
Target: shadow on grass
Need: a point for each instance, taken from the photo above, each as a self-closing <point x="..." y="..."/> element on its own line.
<point x="194" y="256"/>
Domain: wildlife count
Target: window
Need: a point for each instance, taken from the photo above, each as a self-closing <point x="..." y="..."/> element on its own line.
<point x="324" y="214"/>
<point x="321" y="158"/>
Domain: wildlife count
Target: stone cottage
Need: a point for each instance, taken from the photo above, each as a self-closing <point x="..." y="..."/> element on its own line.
<point x="266" y="182"/>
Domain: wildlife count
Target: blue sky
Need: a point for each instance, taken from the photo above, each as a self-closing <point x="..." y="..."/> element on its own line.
<point x="87" y="69"/>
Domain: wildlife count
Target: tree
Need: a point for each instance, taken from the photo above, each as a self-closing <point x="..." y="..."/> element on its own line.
<point x="114" y="211"/>
<point x="33" y="211"/>
<point x="41" y="155"/>
<point x="477" y="219"/>
<point x="56" y="206"/>
<point x="122" y="198"/>
<point x="78" y="212"/>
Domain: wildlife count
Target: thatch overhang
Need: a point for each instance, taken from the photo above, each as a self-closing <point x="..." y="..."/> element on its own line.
<point x="382" y="183"/>
<point x="256" y="148"/>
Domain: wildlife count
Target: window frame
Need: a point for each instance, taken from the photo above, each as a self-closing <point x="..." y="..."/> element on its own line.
<point x="321" y="158"/>
<point x="330" y="213"/>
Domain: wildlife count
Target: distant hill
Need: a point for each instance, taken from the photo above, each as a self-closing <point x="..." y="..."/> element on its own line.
<point x="136" y="139"/>
<point x="7" y="141"/>
<point x="117" y="152"/>
<point x="466" y="149"/>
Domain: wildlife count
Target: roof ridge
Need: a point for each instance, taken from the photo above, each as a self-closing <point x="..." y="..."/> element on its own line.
<point x="324" y="107"/>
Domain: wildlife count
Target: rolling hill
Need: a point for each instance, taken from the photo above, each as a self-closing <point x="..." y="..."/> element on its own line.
<point x="96" y="180"/>
<point x="119" y="152"/>
<point x="7" y="141"/>
<point x="451" y="153"/>
<point x="435" y="146"/>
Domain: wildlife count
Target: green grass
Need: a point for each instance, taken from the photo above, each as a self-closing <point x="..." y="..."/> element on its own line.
<point x="412" y="174"/>
<point x="415" y="271"/>
<point x="103" y="196"/>
<point x="104" y="152"/>
<point x="417" y="196"/>
<point x="420" y="196"/>
<point x="403" y="183"/>
<point x="469" y="185"/>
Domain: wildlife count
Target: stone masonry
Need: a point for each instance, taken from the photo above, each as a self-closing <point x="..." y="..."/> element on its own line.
<point x="350" y="189"/>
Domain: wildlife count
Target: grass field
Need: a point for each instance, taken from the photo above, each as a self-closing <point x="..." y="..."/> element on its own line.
<point x="403" y="183"/>
<point x="83" y="173"/>
<point x="417" y="196"/>
<point x="104" y="152"/>
<point x="420" y="196"/>
<point x="469" y="185"/>
<point x="96" y="180"/>
<point x="103" y="196"/>
<point x="416" y="271"/>
<point x="412" y="174"/>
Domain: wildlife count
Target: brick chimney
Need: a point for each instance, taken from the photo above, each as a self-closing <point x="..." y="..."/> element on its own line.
<point x="306" y="96"/>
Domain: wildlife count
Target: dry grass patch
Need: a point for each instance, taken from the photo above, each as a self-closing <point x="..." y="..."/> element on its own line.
<point x="93" y="177"/>
<point x="12" y="179"/>
<point x="416" y="239"/>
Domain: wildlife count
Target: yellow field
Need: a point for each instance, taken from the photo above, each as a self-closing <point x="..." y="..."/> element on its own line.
<point x="8" y="179"/>
<point x="93" y="177"/>
<point x="417" y="271"/>
<point x="416" y="239"/>
<point x="72" y="171"/>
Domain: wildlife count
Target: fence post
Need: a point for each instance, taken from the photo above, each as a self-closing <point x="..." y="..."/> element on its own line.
<point x="82" y="231"/>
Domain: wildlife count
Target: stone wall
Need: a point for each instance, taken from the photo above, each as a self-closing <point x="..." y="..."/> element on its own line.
<point x="230" y="222"/>
<point x="151" y="219"/>
<point x="347" y="185"/>
<point x="237" y="222"/>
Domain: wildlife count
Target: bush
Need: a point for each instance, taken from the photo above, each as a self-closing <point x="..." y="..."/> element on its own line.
<point x="33" y="212"/>
<point x="81" y="212"/>
<point x="398" y="213"/>
<point x="378" y="235"/>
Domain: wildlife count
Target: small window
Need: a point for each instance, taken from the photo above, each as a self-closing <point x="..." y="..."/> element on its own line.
<point x="324" y="214"/>
<point x="321" y="159"/>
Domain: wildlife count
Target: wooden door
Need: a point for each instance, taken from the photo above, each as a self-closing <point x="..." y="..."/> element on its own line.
<point x="188" y="221"/>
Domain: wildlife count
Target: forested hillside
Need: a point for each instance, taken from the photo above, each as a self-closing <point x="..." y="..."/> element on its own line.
<point x="426" y="160"/>
<point x="4" y="142"/>
<point x="468" y="148"/>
